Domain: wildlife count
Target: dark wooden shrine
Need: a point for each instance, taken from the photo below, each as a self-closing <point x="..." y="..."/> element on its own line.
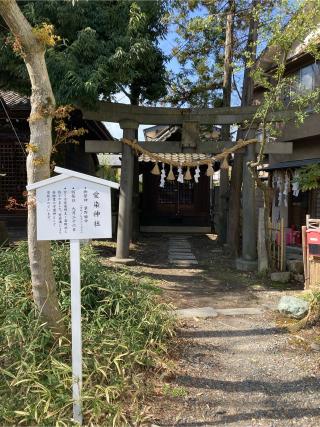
<point x="15" y="134"/>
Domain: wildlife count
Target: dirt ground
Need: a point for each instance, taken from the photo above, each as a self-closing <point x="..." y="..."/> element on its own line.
<point x="229" y="370"/>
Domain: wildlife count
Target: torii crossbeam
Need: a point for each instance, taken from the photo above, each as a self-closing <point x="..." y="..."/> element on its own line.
<point x="130" y="117"/>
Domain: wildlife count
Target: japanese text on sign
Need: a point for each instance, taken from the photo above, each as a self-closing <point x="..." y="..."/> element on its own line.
<point x="73" y="209"/>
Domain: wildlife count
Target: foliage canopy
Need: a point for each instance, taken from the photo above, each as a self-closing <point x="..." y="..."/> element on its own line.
<point x="101" y="48"/>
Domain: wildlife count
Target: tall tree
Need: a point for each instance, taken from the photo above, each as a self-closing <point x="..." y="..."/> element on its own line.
<point x="225" y="129"/>
<point x="211" y="50"/>
<point x="30" y="43"/>
<point x="233" y="234"/>
<point x="199" y="50"/>
<point x="104" y="48"/>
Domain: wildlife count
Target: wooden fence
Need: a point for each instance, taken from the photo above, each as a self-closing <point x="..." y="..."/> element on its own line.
<point x="278" y="245"/>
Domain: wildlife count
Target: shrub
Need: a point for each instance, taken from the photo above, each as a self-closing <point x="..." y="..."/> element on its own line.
<point x="125" y="332"/>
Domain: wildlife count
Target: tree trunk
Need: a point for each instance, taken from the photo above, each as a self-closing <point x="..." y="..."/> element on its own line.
<point x="233" y="237"/>
<point x="225" y="130"/>
<point x="38" y="160"/>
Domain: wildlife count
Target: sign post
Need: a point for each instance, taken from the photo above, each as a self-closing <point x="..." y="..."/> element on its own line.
<point x="74" y="206"/>
<point x="76" y="329"/>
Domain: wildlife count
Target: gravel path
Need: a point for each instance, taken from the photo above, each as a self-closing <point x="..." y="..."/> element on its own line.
<point x="235" y="371"/>
<point x="241" y="371"/>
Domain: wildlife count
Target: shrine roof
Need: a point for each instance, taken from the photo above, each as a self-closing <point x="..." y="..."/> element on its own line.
<point x="14" y="100"/>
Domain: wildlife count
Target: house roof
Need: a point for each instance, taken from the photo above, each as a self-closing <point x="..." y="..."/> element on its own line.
<point x="164" y="135"/>
<point x="14" y="100"/>
<point x="67" y="173"/>
<point x="298" y="49"/>
<point x="291" y="164"/>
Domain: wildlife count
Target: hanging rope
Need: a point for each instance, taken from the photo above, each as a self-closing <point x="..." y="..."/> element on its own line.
<point x="161" y="159"/>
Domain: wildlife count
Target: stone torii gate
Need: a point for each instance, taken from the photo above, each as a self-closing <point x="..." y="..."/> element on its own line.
<point x="130" y="117"/>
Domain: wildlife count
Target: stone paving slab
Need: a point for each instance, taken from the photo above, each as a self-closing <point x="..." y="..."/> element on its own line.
<point x="183" y="263"/>
<point x="196" y="312"/>
<point x="214" y="312"/>
<point x="238" y="311"/>
<point x="182" y="256"/>
<point x="182" y="253"/>
<point x="178" y="253"/>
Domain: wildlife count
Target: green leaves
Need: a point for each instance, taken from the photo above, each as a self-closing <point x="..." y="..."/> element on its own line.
<point x="309" y="177"/>
<point x="104" y="46"/>
<point x="125" y="332"/>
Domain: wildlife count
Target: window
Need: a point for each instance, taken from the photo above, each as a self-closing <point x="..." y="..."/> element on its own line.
<point x="309" y="77"/>
<point x="306" y="79"/>
<point x="174" y="192"/>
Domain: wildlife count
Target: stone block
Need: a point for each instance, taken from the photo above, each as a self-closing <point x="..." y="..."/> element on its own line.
<point x="196" y="312"/>
<point x="295" y="266"/>
<point x="293" y="307"/>
<point x="280" y="276"/>
<point x="246" y="265"/>
<point x="298" y="278"/>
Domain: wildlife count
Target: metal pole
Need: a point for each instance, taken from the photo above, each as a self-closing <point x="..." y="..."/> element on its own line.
<point x="76" y="330"/>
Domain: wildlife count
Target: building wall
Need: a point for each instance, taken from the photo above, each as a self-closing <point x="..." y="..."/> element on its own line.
<point x="302" y="150"/>
<point x="13" y="167"/>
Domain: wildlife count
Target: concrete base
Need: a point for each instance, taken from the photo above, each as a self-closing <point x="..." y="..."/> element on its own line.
<point x="246" y="265"/>
<point x="124" y="261"/>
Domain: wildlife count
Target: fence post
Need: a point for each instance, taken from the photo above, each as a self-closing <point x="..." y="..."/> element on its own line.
<point x="305" y="256"/>
<point x="262" y="250"/>
<point x="282" y="247"/>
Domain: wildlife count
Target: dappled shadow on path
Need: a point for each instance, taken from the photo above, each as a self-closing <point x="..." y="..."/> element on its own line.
<point x="275" y="387"/>
<point x="290" y="413"/>
<point x="231" y="333"/>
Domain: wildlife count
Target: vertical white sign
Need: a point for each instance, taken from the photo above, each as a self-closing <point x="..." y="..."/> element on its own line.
<point x="74" y="206"/>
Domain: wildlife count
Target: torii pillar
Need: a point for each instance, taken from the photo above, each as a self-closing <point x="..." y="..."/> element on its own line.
<point x="248" y="260"/>
<point x="126" y="193"/>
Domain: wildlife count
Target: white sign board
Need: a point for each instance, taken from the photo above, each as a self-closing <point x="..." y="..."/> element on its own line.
<point x="73" y="209"/>
<point x="73" y="206"/>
